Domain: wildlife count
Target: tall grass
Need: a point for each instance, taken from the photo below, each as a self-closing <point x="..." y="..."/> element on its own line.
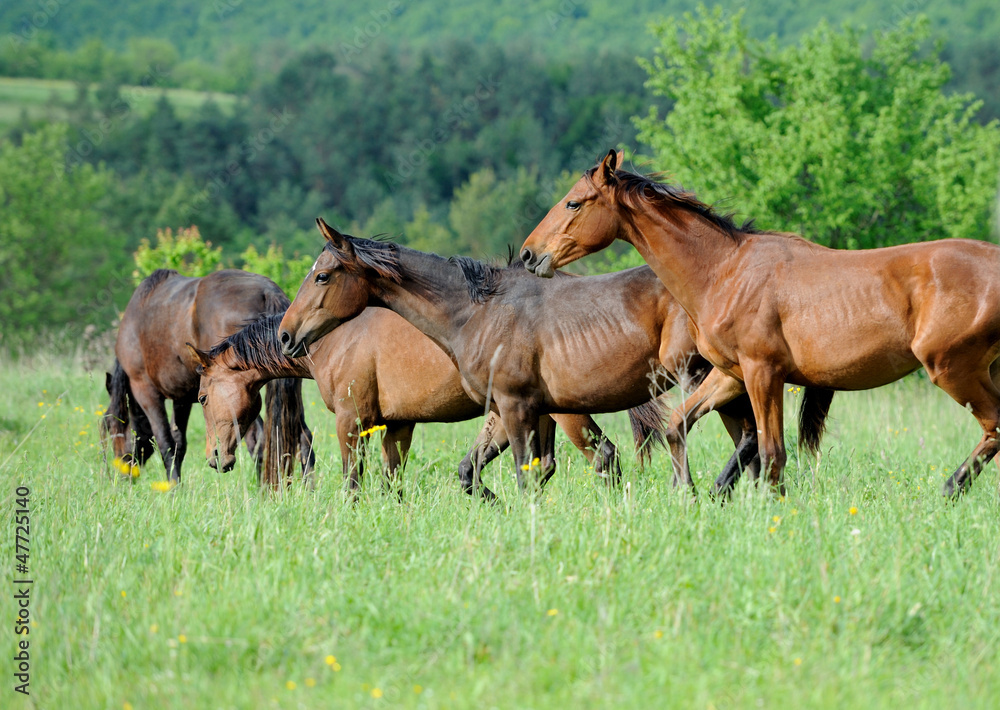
<point x="862" y="588"/>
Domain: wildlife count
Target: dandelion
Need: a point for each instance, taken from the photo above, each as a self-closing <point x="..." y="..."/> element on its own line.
<point x="658" y="634"/>
<point x="418" y="689"/>
<point x="336" y="667"/>
<point x="776" y="519"/>
<point x="330" y="660"/>
<point x="534" y="464"/>
<point x="376" y="693"/>
<point x="182" y="638"/>
<point x="126" y="706"/>
<point x="552" y="612"/>
<point x="123" y="594"/>
<point x="178" y="593"/>
<point x="290" y="685"/>
<point x="853" y="510"/>
<point x="126" y="468"/>
<point x="836" y="600"/>
<point x="772" y="529"/>
<point x="372" y="430"/>
<point x="41" y="404"/>
<point x="162" y="486"/>
<point x="154" y="628"/>
<point x="798" y="661"/>
<point x="310" y="682"/>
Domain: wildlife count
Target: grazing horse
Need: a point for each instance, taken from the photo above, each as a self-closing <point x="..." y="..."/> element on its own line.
<point x="583" y="344"/>
<point x="154" y="364"/>
<point x="771" y="308"/>
<point x="376" y="369"/>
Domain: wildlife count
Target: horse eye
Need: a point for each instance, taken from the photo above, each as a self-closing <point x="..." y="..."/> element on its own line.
<point x="572" y="205"/>
<point x="202" y="399"/>
<point x="322" y="277"/>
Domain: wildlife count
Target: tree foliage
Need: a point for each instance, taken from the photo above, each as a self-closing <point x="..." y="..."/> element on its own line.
<point x="849" y="147"/>
<point x="60" y="263"/>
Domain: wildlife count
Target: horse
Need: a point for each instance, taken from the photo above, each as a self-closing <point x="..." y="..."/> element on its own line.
<point x="772" y="307"/>
<point x="581" y="344"/>
<point x="153" y="364"/>
<point x="377" y="370"/>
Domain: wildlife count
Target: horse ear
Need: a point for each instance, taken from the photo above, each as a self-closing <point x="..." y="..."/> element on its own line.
<point x="337" y="240"/>
<point x="200" y="356"/>
<point x="607" y="167"/>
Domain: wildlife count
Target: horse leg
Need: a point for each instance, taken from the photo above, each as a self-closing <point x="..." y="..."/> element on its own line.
<point x="520" y="420"/>
<point x="737" y="416"/>
<point x="490" y="442"/>
<point x="982" y="397"/>
<point x="153" y="404"/>
<point x="178" y="430"/>
<point x="307" y="457"/>
<point x="715" y="390"/>
<point x="547" y="445"/>
<point x="395" y="446"/>
<point x="350" y="451"/>
<point x="253" y="440"/>
<point x="583" y="432"/>
<point x="765" y="385"/>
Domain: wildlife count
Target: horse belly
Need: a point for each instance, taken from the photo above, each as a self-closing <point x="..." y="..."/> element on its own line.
<point x="599" y="385"/>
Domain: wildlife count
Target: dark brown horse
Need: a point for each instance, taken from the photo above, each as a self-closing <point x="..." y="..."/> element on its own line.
<point x="771" y="308"/>
<point x="153" y="364"/>
<point x="375" y="370"/>
<point x="585" y="344"/>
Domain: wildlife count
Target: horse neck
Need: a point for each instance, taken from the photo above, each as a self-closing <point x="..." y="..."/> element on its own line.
<point x="684" y="250"/>
<point x="431" y="295"/>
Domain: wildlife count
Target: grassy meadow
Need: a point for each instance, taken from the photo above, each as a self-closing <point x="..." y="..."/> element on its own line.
<point x="863" y="588"/>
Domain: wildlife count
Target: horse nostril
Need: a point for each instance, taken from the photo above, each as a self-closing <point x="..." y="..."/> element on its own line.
<point x="526" y="256"/>
<point x="285" y="337"/>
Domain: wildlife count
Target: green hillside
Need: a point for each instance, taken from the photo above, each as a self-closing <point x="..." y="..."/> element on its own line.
<point x="208" y="29"/>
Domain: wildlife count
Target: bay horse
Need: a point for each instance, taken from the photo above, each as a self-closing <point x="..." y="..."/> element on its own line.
<point x="377" y="370"/>
<point x="574" y="345"/>
<point x="771" y="308"/>
<point x="153" y="364"/>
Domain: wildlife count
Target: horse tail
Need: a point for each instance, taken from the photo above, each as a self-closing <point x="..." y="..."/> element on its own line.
<point x="812" y="417"/>
<point x="648" y="426"/>
<point x="124" y="414"/>
<point x="283" y="428"/>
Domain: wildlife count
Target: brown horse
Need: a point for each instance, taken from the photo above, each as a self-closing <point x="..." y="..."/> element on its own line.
<point x="771" y="308"/>
<point x="585" y="344"/>
<point x="153" y="364"/>
<point x="376" y="369"/>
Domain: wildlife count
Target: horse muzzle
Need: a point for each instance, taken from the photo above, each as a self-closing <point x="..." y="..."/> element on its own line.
<point x="539" y="265"/>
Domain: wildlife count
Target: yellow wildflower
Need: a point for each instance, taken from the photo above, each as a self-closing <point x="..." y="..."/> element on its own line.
<point x="534" y="464"/>
<point x="162" y="486"/>
<point x="182" y="638"/>
<point x="418" y="689"/>
<point x="330" y="660"/>
<point x="836" y="600"/>
<point x="853" y="510"/>
<point x="552" y="612"/>
<point x="376" y="693"/>
<point x="310" y="682"/>
<point x="290" y="685"/>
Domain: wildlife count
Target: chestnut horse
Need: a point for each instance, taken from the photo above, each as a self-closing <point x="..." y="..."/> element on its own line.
<point x="153" y="364"/>
<point x="584" y="344"/>
<point x="771" y="308"/>
<point x="376" y="369"/>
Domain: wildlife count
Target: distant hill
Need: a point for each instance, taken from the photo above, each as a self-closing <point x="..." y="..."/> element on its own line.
<point x="207" y="28"/>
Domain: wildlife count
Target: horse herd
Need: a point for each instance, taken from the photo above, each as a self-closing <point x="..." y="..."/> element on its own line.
<point x="395" y="336"/>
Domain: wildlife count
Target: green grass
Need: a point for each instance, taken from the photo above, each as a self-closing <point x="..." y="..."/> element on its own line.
<point x="44" y="99"/>
<point x="585" y="599"/>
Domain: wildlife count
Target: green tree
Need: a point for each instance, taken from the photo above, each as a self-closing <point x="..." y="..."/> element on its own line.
<point x="488" y="214"/>
<point x="60" y="265"/>
<point x="850" y="148"/>
<point x="185" y="251"/>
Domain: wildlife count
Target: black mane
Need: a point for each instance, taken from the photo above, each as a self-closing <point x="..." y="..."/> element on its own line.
<point x="380" y="256"/>
<point x="149" y="283"/>
<point x="630" y="189"/>
<point x="255" y="347"/>
<point x="483" y="280"/>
